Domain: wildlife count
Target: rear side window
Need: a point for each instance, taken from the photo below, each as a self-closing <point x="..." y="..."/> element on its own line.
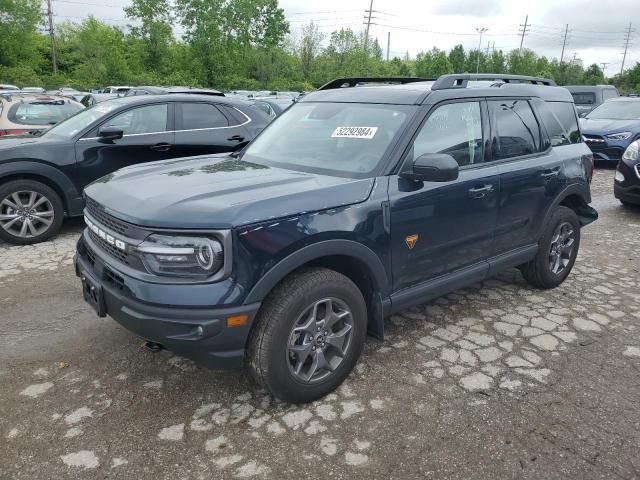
<point x="608" y="93"/>
<point x="517" y="131"/>
<point x="202" y="115"/>
<point x="41" y="113"/>
<point x="584" y="98"/>
<point x="560" y="121"/>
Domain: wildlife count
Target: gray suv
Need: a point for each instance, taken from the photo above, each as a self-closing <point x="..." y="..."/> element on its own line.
<point x="588" y="97"/>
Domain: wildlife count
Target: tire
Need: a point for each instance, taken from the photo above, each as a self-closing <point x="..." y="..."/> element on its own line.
<point x="540" y="272"/>
<point x="45" y="219"/>
<point x="269" y="358"/>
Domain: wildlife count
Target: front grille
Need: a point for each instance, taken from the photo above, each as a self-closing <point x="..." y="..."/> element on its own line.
<point x="110" y="249"/>
<point x="97" y="211"/>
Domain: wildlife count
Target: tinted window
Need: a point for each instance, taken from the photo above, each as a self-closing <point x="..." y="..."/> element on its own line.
<point x="41" y="113"/>
<point x="516" y="129"/>
<point x="566" y="116"/>
<point x="234" y="116"/>
<point x="149" y="119"/>
<point x="584" y="98"/>
<point x="266" y="108"/>
<point x="454" y="129"/>
<point x="202" y="115"/>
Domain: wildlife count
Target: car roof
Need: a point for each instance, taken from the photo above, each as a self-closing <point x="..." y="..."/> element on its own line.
<point x="624" y="99"/>
<point x="175" y="97"/>
<point x="588" y="88"/>
<point x="14" y="97"/>
<point x="420" y="92"/>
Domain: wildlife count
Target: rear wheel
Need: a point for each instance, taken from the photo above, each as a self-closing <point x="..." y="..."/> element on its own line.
<point x="557" y="251"/>
<point x="308" y="336"/>
<point x="30" y="212"/>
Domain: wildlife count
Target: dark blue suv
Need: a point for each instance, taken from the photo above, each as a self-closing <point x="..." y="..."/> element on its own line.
<point x="354" y="204"/>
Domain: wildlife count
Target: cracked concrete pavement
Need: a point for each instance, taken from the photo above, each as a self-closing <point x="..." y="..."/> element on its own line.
<point x="498" y="380"/>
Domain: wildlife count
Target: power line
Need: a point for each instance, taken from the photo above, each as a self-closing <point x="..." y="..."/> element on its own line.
<point x="627" y="39"/>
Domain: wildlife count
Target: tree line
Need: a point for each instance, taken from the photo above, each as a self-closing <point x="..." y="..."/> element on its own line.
<point x="236" y="44"/>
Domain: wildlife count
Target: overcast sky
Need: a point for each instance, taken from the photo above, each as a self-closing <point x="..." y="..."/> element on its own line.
<point x="596" y="27"/>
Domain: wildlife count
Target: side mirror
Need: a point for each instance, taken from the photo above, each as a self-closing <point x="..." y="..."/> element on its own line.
<point x="110" y="133"/>
<point x="434" y="167"/>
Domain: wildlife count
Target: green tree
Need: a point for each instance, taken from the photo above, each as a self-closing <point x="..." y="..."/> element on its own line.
<point x="19" y="57"/>
<point x="309" y="48"/>
<point x="457" y="59"/>
<point x="155" y="31"/>
<point x="593" y="75"/>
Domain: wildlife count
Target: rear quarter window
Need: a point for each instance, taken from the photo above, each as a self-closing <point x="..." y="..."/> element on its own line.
<point x="560" y="121"/>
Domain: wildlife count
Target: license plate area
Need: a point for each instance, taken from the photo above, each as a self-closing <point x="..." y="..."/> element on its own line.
<point x="93" y="295"/>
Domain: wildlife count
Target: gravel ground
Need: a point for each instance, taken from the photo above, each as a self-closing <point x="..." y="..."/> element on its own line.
<point x="494" y="381"/>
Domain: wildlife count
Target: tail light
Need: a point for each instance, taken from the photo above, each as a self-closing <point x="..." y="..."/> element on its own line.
<point x="6" y="133"/>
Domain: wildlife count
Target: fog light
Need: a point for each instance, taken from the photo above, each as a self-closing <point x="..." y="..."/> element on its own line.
<point x="619" y="177"/>
<point x="200" y="331"/>
<point x="237" y="321"/>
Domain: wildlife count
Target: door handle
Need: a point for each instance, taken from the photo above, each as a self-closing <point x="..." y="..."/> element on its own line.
<point x="550" y="173"/>
<point x="480" y="192"/>
<point x="160" y="147"/>
<point x="236" y="138"/>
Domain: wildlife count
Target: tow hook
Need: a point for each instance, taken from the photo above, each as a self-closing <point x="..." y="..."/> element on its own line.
<point x="153" y="347"/>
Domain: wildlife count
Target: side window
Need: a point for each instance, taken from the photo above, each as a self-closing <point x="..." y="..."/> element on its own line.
<point x="560" y="121"/>
<point x="516" y="129"/>
<point x="202" y="115"/>
<point x="266" y="108"/>
<point x="233" y="116"/>
<point x="454" y="129"/>
<point x="608" y="93"/>
<point x="148" y="119"/>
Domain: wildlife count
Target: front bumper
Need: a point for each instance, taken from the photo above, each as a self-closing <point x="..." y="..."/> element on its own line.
<point x="174" y="327"/>
<point x="629" y="194"/>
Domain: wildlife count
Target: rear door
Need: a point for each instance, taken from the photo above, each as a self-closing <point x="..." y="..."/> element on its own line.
<point x="531" y="173"/>
<point x="204" y="128"/>
<point x="147" y="137"/>
<point x="438" y="228"/>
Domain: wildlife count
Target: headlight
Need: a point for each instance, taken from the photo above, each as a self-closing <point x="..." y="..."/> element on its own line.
<point x="632" y="153"/>
<point x="619" y="177"/>
<point x="190" y="257"/>
<point x="619" y="136"/>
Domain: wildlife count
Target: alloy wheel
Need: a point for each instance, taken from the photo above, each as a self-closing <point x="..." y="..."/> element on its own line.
<point x="561" y="247"/>
<point x="26" y="214"/>
<point x="319" y="340"/>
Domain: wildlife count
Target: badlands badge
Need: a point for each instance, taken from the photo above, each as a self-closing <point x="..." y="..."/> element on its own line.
<point x="354" y="132"/>
<point x="411" y="241"/>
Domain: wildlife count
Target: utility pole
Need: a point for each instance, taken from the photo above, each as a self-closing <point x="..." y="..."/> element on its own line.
<point x="480" y="30"/>
<point x="574" y="58"/>
<point x="604" y="66"/>
<point x="52" y="34"/>
<point x="627" y="38"/>
<point x="564" y="42"/>
<point x="524" y="31"/>
<point x="388" y="44"/>
<point x="366" y="35"/>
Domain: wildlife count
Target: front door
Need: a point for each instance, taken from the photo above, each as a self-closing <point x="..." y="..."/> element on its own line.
<point x="438" y="228"/>
<point x="146" y="138"/>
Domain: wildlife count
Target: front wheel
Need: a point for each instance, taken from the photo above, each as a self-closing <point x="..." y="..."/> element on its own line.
<point x="308" y="336"/>
<point x="557" y="251"/>
<point x="30" y="212"/>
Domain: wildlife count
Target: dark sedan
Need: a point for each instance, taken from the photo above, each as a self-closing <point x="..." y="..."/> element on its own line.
<point x="273" y="106"/>
<point x="626" y="187"/>
<point x="42" y="177"/>
<point x="610" y="128"/>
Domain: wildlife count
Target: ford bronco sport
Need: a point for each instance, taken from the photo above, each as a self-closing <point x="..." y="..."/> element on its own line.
<point x="359" y="201"/>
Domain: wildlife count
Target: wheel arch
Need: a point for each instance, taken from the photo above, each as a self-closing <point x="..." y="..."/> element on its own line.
<point x="576" y="197"/>
<point x="45" y="174"/>
<point x="352" y="259"/>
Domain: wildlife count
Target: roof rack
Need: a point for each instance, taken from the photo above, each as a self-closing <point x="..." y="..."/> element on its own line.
<point x="461" y="81"/>
<point x="354" y="81"/>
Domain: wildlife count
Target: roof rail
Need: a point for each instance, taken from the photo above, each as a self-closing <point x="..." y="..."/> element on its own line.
<point x="353" y="81"/>
<point x="461" y="81"/>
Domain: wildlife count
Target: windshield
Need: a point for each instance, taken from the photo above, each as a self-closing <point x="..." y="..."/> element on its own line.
<point x="616" y="110"/>
<point x="339" y="139"/>
<point x="42" y="112"/>
<point x="72" y="125"/>
<point x="584" y="98"/>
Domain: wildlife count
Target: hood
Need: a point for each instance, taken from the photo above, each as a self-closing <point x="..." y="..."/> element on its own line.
<point x="218" y="192"/>
<point x="12" y="146"/>
<point x="607" y="126"/>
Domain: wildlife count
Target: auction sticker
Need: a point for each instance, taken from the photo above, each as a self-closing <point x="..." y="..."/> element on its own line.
<point x="355" y="132"/>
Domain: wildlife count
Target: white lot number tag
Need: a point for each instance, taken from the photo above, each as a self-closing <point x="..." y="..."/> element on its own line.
<point x="355" y="132"/>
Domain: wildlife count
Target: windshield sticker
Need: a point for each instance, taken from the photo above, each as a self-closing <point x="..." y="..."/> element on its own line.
<point x="355" y="132"/>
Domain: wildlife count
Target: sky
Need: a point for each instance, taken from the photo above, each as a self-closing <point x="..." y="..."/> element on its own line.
<point x="596" y="27"/>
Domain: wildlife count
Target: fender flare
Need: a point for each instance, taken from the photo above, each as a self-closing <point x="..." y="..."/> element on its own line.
<point x="582" y="191"/>
<point x="71" y="198"/>
<point x="317" y="250"/>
